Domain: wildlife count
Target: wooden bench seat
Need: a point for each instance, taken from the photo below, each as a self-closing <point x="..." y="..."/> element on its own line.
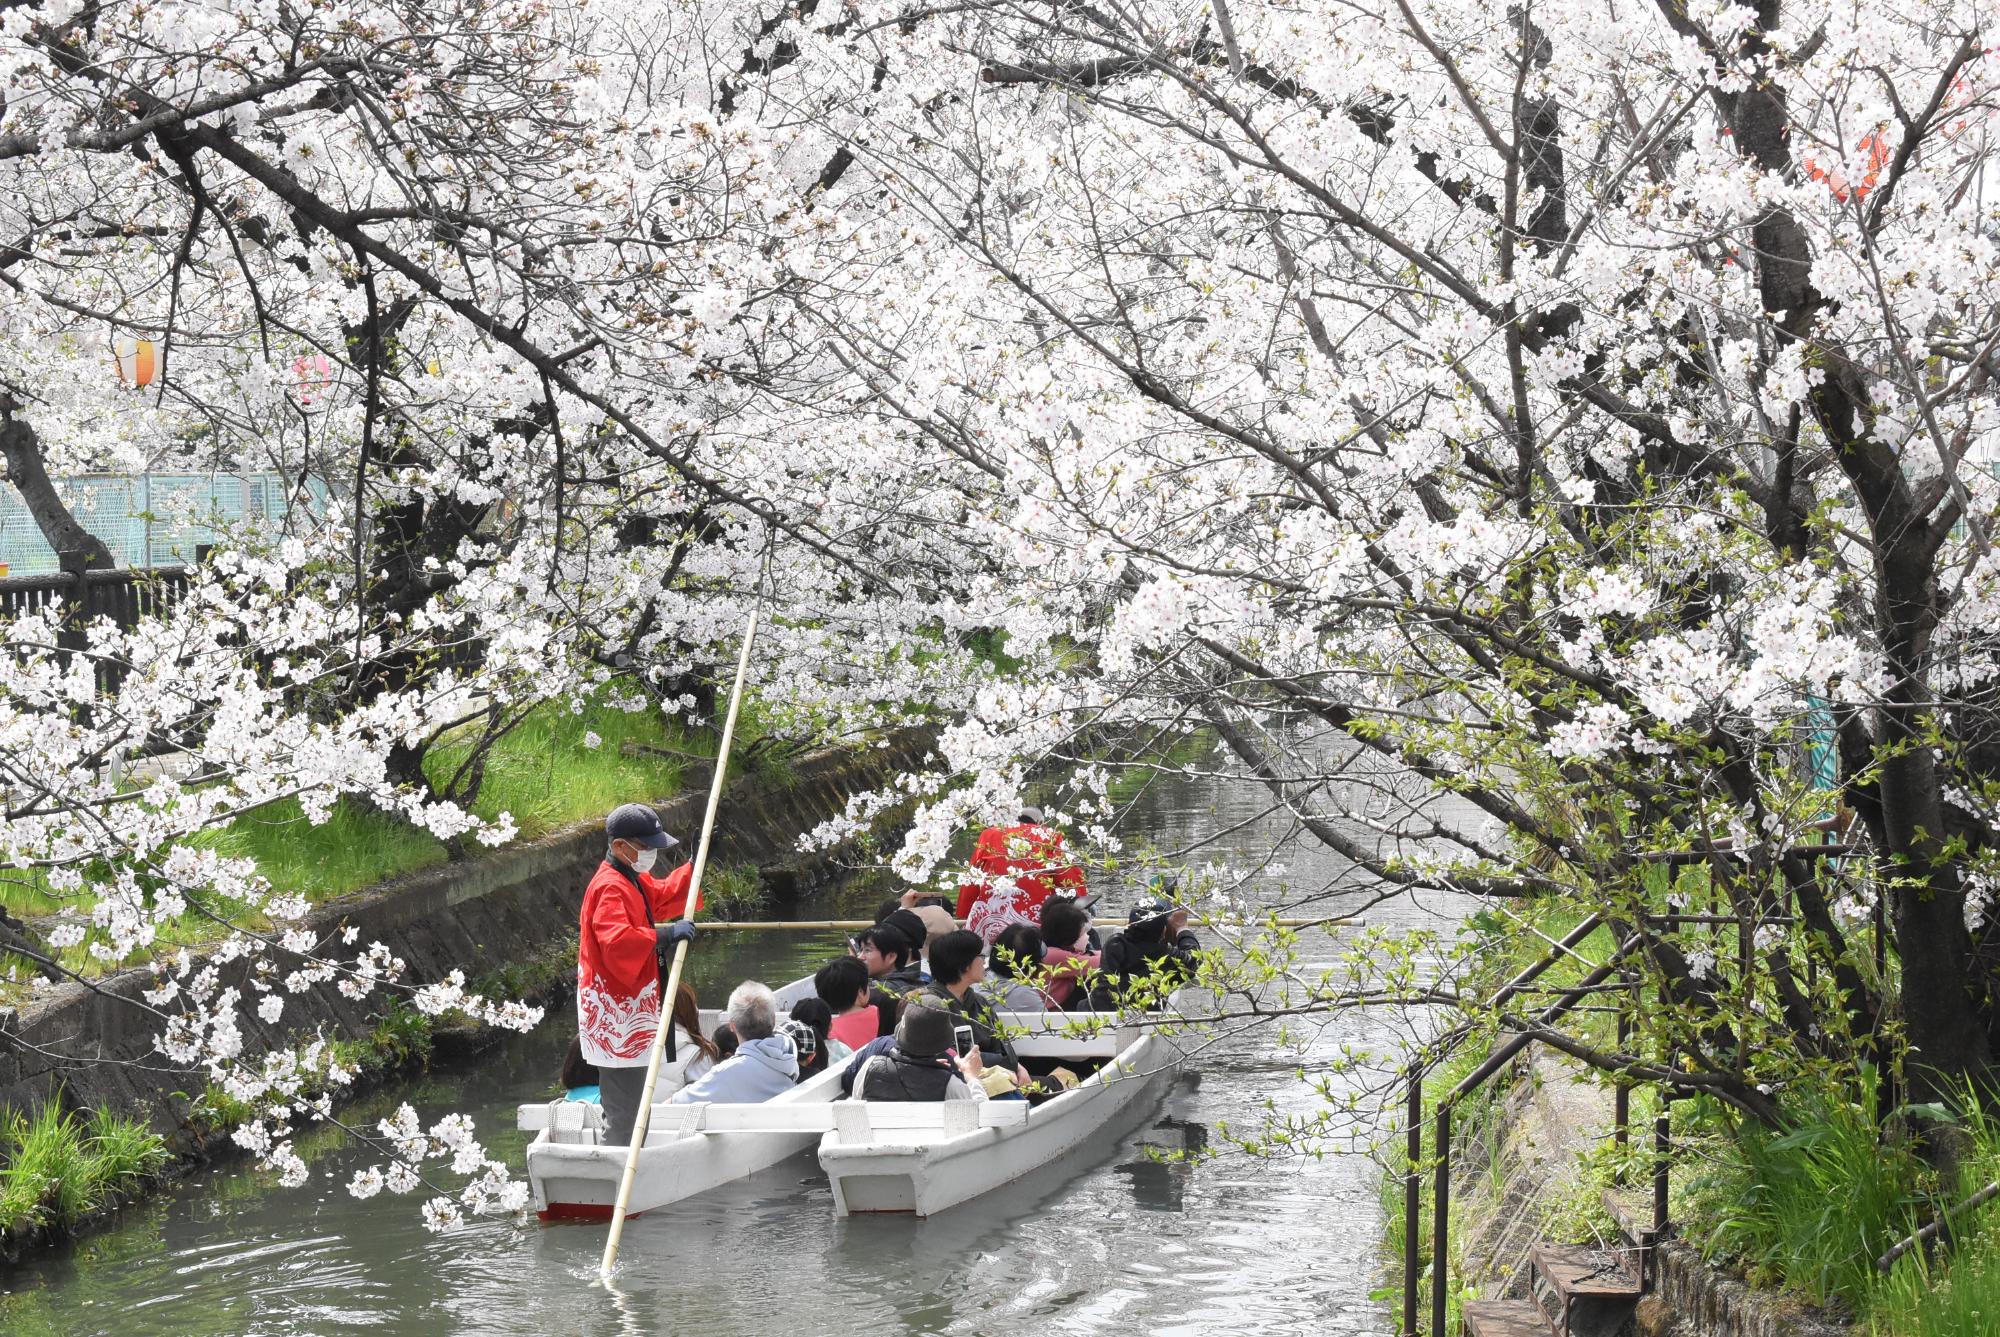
<point x="856" y="1120"/>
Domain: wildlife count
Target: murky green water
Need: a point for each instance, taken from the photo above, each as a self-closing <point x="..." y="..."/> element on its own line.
<point x="1107" y="1240"/>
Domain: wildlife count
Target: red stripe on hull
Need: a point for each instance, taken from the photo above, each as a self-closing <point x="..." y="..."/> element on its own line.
<point x="581" y="1211"/>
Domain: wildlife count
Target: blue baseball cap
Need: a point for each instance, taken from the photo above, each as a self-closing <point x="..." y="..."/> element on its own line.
<point x="639" y="824"/>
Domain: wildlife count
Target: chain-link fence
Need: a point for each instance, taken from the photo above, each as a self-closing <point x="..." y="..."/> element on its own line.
<point x="149" y="520"/>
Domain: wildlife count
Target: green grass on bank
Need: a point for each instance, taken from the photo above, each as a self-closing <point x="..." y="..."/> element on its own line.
<point x="1810" y="1209"/>
<point x="1805" y="1211"/>
<point x="56" y="1168"/>
<point x="1505" y="951"/>
<point x="544" y="772"/>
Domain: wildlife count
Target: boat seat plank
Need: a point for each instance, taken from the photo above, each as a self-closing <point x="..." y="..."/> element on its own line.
<point x="951" y="1117"/>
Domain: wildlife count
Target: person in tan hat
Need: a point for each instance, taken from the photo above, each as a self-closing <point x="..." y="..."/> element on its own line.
<point x="921" y="1065"/>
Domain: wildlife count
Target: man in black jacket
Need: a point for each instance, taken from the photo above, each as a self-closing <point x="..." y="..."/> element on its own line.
<point x="1155" y="954"/>
<point x="958" y="962"/>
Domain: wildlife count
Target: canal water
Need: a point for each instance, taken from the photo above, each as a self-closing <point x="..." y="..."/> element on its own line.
<point x="1112" y="1238"/>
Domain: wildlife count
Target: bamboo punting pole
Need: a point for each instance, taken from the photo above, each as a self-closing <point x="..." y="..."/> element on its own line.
<point x="639" y="1125"/>
<point x="856" y="925"/>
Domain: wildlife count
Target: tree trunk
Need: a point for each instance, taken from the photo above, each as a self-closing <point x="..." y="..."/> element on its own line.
<point x="23" y="451"/>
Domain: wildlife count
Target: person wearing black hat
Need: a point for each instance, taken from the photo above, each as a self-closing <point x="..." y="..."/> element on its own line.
<point x="1156" y="952"/>
<point x="911" y="925"/>
<point x="618" y="959"/>
<point x="921" y="1065"/>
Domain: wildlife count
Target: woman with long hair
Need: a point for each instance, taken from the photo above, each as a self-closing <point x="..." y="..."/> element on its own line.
<point x="695" y="1052"/>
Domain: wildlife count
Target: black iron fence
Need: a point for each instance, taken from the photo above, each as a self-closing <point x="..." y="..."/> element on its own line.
<point x="79" y="596"/>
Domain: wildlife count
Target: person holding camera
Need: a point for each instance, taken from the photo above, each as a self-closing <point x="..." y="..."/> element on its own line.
<point x="1155" y="954"/>
<point x="922" y="1065"/>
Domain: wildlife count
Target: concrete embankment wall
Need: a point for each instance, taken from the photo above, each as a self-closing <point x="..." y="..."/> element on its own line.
<point x="95" y="1044"/>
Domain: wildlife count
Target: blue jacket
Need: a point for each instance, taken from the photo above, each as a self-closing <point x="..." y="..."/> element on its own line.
<point x="758" y="1070"/>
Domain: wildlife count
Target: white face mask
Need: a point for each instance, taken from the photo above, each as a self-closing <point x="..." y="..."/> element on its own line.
<point x="645" y="859"/>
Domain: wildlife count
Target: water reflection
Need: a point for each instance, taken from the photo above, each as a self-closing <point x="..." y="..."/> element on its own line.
<point x="1160" y="1178"/>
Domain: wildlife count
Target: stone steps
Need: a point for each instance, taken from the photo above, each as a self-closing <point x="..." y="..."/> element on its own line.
<point x="1574" y="1290"/>
<point x="1504" y="1318"/>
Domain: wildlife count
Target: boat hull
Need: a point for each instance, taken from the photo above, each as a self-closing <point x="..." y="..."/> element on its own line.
<point x="579" y="1181"/>
<point x="927" y="1174"/>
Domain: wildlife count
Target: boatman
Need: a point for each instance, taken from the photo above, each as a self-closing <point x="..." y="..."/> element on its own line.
<point x="618" y="958"/>
<point x="1014" y="869"/>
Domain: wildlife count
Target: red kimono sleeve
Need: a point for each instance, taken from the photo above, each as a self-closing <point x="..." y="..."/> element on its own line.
<point x="669" y="893"/>
<point x="989" y="857"/>
<point x="1065" y="873"/>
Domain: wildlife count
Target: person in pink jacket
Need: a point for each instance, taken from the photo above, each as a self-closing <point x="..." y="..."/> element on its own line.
<point x="1067" y="957"/>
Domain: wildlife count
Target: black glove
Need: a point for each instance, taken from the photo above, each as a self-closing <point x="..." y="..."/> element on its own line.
<point x="1187" y="942"/>
<point x="664" y="939"/>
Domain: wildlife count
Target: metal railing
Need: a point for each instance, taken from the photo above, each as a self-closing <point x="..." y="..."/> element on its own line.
<point x="1441" y="1120"/>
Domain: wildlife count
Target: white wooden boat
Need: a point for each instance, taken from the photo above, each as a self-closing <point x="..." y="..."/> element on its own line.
<point x="880" y="1156"/>
<point x="877" y="1158"/>
<point x="689" y="1148"/>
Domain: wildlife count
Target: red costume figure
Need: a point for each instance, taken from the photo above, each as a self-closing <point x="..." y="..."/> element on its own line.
<point x="1014" y="869"/>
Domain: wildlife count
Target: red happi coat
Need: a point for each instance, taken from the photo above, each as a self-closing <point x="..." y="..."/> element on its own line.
<point x="617" y="971"/>
<point x="1014" y="869"/>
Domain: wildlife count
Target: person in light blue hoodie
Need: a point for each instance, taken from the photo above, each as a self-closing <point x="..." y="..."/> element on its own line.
<point x="765" y="1063"/>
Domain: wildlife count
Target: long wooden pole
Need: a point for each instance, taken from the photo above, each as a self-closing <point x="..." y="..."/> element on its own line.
<point x="856" y="925"/>
<point x="639" y="1124"/>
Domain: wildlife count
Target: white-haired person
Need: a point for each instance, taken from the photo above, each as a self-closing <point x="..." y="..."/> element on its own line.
<point x="765" y="1064"/>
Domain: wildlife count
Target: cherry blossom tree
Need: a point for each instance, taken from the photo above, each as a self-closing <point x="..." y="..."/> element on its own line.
<point x="1579" y="412"/>
<point x="503" y="291"/>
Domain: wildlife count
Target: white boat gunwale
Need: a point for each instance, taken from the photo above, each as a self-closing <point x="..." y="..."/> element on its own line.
<point x="693" y="1148"/>
<point x="892" y="1169"/>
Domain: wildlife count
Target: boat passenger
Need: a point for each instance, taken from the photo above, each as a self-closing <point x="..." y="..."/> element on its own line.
<point x="912" y="926"/>
<point x="827" y="1051"/>
<point x="958" y="964"/>
<point x="696" y="1053"/>
<point x="1157" y="951"/>
<point x="1014" y="963"/>
<point x="725" y="1040"/>
<point x="881" y="1044"/>
<point x="927" y="906"/>
<point x="618" y="958"/>
<point x="1013" y="870"/>
<point x="920" y="1065"/>
<point x="765" y="1064"/>
<point x="842" y="985"/>
<point x="1068" y="957"/>
<point x="805" y="1045"/>
<point x="579" y="1079"/>
<point x="891" y="959"/>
